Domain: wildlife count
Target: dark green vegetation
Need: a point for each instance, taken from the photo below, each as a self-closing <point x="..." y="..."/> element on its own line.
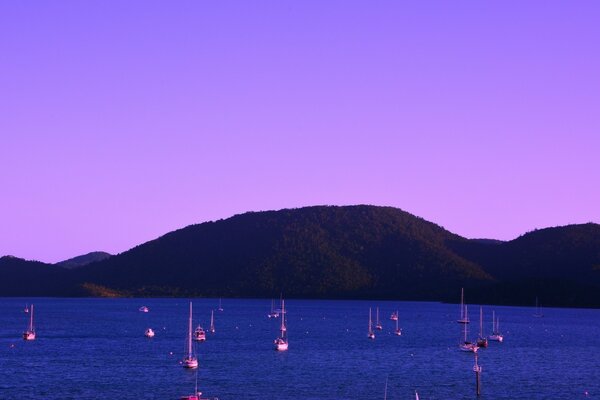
<point x="334" y="252"/>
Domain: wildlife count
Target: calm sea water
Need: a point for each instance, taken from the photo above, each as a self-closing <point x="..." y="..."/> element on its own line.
<point x="96" y="349"/>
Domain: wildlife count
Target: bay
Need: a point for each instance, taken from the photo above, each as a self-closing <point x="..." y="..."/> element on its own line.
<point x="89" y="348"/>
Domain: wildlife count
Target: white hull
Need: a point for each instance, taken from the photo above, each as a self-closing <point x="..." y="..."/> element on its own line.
<point x="281" y="345"/>
<point x="398" y="332"/>
<point x="149" y="333"/>
<point x="190" y="363"/>
<point x="28" y="335"/>
<point x="496" y="338"/>
<point x="469" y="347"/>
<point x="371" y="335"/>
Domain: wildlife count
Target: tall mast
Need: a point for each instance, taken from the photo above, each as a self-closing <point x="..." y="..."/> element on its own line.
<point x="282" y="318"/>
<point x="31" y="320"/>
<point x="370" y="323"/>
<point x="190" y="333"/>
<point x="397" y="318"/>
<point x="462" y="302"/>
<point x="465" y="325"/>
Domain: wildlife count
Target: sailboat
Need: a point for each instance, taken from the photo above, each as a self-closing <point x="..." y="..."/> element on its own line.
<point x="481" y="340"/>
<point x="466" y="345"/>
<point x="199" y="334"/>
<point x="496" y="336"/>
<point x="212" y="321"/>
<point x="371" y="334"/>
<point x="281" y="343"/>
<point x="29" y="334"/>
<point x="26" y="309"/>
<point x="377" y="322"/>
<point x="464" y="318"/>
<point x="220" y="309"/>
<point x="149" y="333"/>
<point x="274" y="313"/>
<point x="394" y="316"/>
<point x="398" y="331"/>
<point x="190" y="361"/>
<point x="538" y="309"/>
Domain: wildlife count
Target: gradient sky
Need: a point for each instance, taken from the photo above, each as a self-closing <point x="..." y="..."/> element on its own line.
<point x="123" y="120"/>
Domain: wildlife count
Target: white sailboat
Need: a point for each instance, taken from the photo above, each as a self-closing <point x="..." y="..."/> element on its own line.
<point x="370" y="334"/>
<point x="466" y="345"/>
<point x="281" y="343"/>
<point x="398" y="331"/>
<point x="190" y="361"/>
<point x="496" y="336"/>
<point x="29" y="334"/>
<point x="394" y="316"/>
<point x="220" y="309"/>
<point x="149" y="333"/>
<point x="481" y="340"/>
<point x="143" y="309"/>
<point x="212" y="321"/>
<point x="464" y="318"/>
<point x="377" y="322"/>
<point x="199" y="334"/>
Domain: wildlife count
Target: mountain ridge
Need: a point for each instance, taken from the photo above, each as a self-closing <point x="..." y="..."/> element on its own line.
<point x="357" y="251"/>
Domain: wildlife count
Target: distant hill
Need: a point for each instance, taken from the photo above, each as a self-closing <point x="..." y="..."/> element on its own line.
<point x="85" y="259"/>
<point x="346" y="252"/>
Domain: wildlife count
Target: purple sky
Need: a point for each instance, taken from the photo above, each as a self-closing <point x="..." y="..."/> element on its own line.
<point x="121" y="121"/>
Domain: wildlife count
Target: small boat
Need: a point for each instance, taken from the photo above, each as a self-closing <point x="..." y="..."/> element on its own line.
<point x="466" y="345"/>
<point x="370" y="334"/>
<point x="149" y="333"/>
<point x="274" y="313"/>
<point x="496" y="336"/>
<point x="29" y="334"/>
<point x="394" y="316"/>
<point x="212" y="321"/>
<point x="26" y="309"/>
<point x="398" y="331"/>
<point x="377" y="322"/>
<point x="199" y="334"/>
<point x="143" y="309"/>
<point x="481" y="340"/>
<point x="220" y="309"/>
<point x="464" y="318"/>
<point x="281" y="343"/>
<point x="190" y="361"/>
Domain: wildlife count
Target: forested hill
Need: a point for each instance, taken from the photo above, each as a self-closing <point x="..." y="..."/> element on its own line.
<point x="349" y="252"/>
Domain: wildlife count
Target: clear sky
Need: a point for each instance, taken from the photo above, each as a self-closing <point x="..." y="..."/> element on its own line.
<point x="123" y="120"/>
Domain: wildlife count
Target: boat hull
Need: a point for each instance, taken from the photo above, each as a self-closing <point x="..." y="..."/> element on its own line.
<point x="28" y="335"/>
<point x="190" y="363"/>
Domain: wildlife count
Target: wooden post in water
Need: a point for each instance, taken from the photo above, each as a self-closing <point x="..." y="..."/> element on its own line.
<point x="477" y="370"/>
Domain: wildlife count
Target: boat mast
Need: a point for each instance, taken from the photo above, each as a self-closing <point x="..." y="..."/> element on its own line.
<point x="282" y="319"/>
<point x="462" y="302"/>
<point x="465" y="325"/>
<point x="31" y="320"/>
<point x="190" y="333"/>
<point x="370" y="323"/>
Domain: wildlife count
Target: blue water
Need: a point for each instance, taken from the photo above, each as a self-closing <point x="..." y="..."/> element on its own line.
<point x="96" y="349"/>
